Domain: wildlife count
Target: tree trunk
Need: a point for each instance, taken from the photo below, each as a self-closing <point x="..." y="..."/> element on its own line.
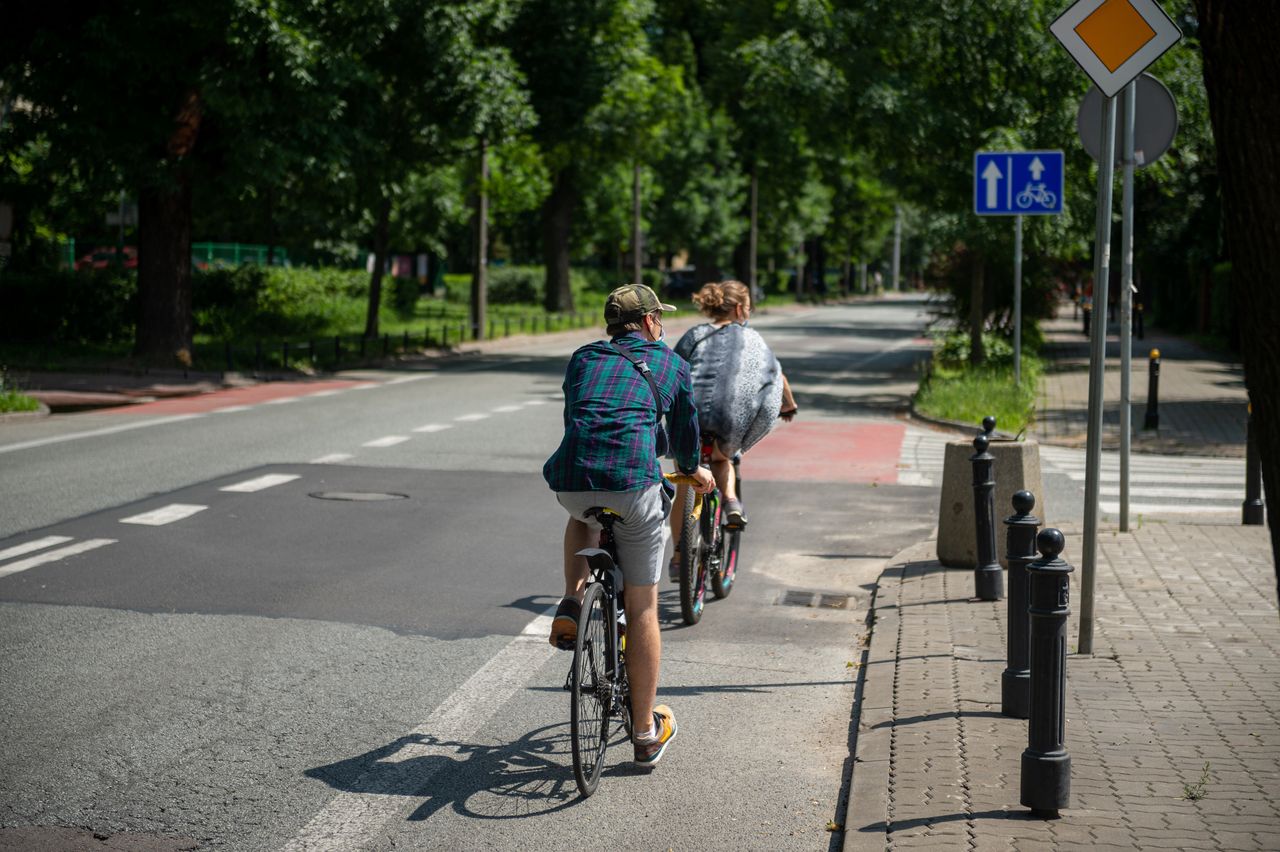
<point x="1242" y="79"/>
<point x="635" y="224"/>
<point x="164" y="273"/>
<point x="381" y="230"/>
<point x="977" y="313"/>
<point x="557" y="222"/>
<point x="479" y="270"/>
<point x="800" y="284"/>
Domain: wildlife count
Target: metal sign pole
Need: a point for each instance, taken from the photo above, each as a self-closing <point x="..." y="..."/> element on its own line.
<point x="1097" y="364"/>
<point x="1126" y="299"/>
<point x="1017" y="299"/>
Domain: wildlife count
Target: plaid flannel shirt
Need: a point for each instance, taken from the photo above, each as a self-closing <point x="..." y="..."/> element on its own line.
<point x="610" y="423"/>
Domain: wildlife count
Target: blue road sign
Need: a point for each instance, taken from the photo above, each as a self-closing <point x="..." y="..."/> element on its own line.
<point x="1012" y="183"/>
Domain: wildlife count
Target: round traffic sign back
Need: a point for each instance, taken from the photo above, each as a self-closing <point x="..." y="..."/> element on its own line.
<point x="1155" y="124"/>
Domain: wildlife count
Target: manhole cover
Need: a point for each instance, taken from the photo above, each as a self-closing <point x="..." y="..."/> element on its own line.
<point x="826" y="600"/>
<point x="358" y="496"/>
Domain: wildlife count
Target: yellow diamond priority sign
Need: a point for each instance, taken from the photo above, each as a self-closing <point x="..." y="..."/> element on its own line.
<point x="1115" y="40"/>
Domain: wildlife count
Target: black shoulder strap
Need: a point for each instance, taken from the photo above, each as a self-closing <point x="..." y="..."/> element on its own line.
<point x="644" y="371"/>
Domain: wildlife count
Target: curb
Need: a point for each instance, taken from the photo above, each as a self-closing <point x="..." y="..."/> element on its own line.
<point x="41" y="411"/>
<point x="866" y="818"/>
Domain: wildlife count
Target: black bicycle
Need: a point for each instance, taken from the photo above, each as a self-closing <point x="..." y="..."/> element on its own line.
<point x="708" y="546"/>
<point x="597" y="681"/>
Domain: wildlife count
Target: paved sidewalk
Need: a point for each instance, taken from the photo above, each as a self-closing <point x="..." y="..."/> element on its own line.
<point x="1183" y="687"/>
<point x="1203" y="403"/>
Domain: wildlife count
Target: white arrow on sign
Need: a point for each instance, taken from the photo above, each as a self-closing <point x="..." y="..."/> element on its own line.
<point x="991" y="174"/>
<point x="1037" y="169"/>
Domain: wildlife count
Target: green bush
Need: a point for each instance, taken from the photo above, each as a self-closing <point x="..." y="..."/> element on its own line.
<point x="515" y="285"/>
<point x="952" y="350"/>
<point x="405" y="293"/>
<point x="97" y="306"/>
<point x="12" y="398"/>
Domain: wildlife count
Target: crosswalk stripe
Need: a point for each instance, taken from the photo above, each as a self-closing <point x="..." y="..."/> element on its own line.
<point x="506" y="409"/>
<point x="268" y="481"/>
<point x="434" y="427"/>
<point x="38" y="544"/>
<point x="54" y="555"/>
<point x="164" y="515"/>
<point x="1165" y="508"/>
<point x="468" y="418"/>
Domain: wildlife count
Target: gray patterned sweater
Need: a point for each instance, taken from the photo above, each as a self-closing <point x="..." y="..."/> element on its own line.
<point x="737" y="383"/>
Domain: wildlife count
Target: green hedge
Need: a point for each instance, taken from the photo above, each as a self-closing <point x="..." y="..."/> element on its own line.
<point x="68" y="307"/>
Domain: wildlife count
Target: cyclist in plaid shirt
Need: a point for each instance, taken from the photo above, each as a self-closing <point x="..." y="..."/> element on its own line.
<point x="609" y="457"/>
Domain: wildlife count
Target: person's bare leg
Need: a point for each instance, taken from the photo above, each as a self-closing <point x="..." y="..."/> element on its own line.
<point x="644" y="652"/>
<point x="722" y="470"/>
<point x="577" y="536"/>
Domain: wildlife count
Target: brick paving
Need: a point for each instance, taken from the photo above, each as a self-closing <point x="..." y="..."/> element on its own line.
<point x="1203" y="403"/>
<point x="1183" y="686"/>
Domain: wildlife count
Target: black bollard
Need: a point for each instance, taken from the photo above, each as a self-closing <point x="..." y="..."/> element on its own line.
<point x="988" y="582"/>
<point x="1254" y="510"/>
<point x="1152" y="420"/>
<point x="1020" y="550"/>
<point x="1046" y="766"/>
<point x="988" y="426"/>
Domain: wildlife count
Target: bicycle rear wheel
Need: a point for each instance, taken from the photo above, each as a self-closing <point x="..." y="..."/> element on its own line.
<point x="592" y="691"/>
<point x="693" y="567"/>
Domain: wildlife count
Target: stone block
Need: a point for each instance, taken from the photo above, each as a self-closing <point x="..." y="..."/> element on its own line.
<point x="1017" y="467"/>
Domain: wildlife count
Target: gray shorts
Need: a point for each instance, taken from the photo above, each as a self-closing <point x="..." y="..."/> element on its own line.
<point x="643" y="535"/>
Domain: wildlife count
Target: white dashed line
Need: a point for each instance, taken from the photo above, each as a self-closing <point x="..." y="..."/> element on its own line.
<point x="261" y="482"/>
<point x="164" y="515"/>
<point x="332" y="458"/>
<point x="232" y="409"/>
<point x="404" y="379"/>
<point x="350" y="818"/>
<point x="536" y="402"/>
<point x="364" y="386"/>
<point x="110" y="430"/>
<point x="38" y="544"/>
<point x="284" y="400"/>
<point x="470" y="418"/>
<point x="389" y="441"/>
<point x="507" y="409"/>
<point x="329" y="392"/>
<point x="434" y="427"/>
<point x="54" y="555"/>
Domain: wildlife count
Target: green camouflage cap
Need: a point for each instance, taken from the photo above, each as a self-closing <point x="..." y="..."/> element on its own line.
<point x="630" y="302"/>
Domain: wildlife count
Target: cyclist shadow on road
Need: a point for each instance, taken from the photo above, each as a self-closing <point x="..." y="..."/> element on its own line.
<point x="525" y="778"/>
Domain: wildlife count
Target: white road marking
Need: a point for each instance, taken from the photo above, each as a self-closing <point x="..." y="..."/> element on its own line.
<point x="110" y="430"/>
<point x="532" y="402"/>
<point x="434" y="427"/>
<point x="38" y="544"/>
<point x="468" y="418"/>
<point x="1165" y="509"/>
<point x="329" y="392"/>
<point x="231" y="409"/>
<point x="365" y="386"/>
<point x="60" y="553"/>
<point x="332" y="458"/>
<point x="350" y="819"/>
<point x="402" y="379"/>
<point x="284" y="400"/>
<point x="164" y="515"/>
<point x="261" y="482"/>
<point x="1142" y="489"/>
<point x="388" y="441"/>
<point x="507" y="409"/>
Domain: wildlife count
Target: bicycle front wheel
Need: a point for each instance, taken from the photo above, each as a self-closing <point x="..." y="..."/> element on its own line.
<point x="693" y="576"/>
<point x="592" y="691"/>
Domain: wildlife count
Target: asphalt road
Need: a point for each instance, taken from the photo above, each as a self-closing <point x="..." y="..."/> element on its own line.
<point x="200" y="646"/>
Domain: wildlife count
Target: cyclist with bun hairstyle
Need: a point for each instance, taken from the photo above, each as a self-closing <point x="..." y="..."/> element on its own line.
<point x="738" y="384"/>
